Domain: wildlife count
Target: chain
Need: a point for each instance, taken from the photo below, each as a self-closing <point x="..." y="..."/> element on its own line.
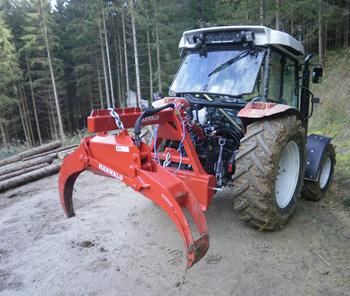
<point x="116" y="117"/>
<point x="167" y="160"/>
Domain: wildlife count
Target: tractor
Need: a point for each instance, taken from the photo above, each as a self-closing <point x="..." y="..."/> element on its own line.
<point x="236" y="117"/>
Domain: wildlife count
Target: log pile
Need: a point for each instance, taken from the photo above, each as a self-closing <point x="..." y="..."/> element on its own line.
<point x="32" y="165"/>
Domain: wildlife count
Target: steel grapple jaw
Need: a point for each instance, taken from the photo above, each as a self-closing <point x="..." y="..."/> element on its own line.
<point x="118" y="157"/>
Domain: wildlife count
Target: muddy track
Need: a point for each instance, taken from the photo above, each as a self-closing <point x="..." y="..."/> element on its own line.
<point x="121" y="244"/>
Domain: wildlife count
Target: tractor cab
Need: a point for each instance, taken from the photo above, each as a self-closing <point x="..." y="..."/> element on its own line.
<point x="244" y="64"/>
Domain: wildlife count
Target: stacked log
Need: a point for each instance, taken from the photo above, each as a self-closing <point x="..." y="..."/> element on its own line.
<point x="33" y="164"/>
<point x="30" y="177"/>
<point x="30" y="152"/>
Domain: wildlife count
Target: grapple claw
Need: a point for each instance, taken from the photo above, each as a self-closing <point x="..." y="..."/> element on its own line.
<point x="118" y="156"/>
<point x="71" y="168"/>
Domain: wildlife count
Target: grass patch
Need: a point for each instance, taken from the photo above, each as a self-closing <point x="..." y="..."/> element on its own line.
<point x="13" y="149"/>
<point x="332" y="116"/>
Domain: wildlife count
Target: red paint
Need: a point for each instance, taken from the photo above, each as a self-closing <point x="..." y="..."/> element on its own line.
<point x="262" y="109"/>
<point x="117" y="156"/>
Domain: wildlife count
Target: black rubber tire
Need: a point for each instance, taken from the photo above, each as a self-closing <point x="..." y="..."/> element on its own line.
<point x="312" y="189"/>
<point x="256" y="168"/>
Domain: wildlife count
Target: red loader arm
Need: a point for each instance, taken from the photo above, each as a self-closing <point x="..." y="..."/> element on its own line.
<point x="118" y="156"/>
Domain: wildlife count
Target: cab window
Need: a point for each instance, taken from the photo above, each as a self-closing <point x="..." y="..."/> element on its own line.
<point x="283" y="80"/>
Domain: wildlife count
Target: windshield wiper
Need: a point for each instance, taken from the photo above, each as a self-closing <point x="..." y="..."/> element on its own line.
<point x="224" y="65"/>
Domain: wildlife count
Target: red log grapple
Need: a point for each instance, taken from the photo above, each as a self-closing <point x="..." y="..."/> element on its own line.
<point x="134" y="162"/>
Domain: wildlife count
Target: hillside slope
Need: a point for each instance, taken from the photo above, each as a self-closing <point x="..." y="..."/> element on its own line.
<point x="332" y="116"/>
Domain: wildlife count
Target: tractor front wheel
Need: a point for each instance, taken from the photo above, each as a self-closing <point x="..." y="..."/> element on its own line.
<point x="269" y="172"/>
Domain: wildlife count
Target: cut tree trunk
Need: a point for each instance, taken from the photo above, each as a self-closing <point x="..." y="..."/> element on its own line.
<point x="21" y="172"/>
<point x="29" y="177"/>
<point x="63" y="154"/>
<point x="24" y="164"/>
<point x="30" y="152"/>
<point x="51" y="152"/>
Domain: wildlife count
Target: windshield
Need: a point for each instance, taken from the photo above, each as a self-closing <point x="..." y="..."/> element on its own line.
<point x="227" y="72"/>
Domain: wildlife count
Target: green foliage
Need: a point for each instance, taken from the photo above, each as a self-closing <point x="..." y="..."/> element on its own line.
<point x="74" y="28"/>
<point x="332" y="117"/>
<point x="9" y="70"/>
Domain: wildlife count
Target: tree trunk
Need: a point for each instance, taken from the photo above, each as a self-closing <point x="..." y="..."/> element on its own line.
<point x="126" y="62"/>
<point x="19" y="96"/>
<point x="23" y="171"/>
<point x="122" y="98"/>
<point x="117" y="63"/>
<point x="58" y="110"/>
<point x="26" y="113"/>
<point x="99" y="83"/>
<point x="51" y="153"/>
<point x="18" y="101"/>
<point x="347" y="26"/>
<point x="117" y="71"/>
<point x="24" y="164"/>
<point x="149" y="66"/>
<point x="325" y="44"/>
<point x="34" y="103"/>
<point x="159" y="68"/>
<point x="278" y="14"/>
<point x="320" y="32"/>
<point x="108" y="60"/>
<point x="136" y="56"/>
<point x="246" y="8"/>
<point x="262" y="2"/>
<point x="104" y="66"/>
<point x="3" y="134"/>
<point x="54" y="135"/>
<point x="29" y="177"/>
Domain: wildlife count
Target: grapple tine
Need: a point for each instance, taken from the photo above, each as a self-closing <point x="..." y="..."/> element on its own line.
<point x="71" y="167"/>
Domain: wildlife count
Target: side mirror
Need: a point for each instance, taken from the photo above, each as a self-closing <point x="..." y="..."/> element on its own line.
<point x="317" y="73"/>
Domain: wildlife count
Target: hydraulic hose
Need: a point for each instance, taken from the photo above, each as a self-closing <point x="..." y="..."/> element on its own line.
<point x="147" y="113"/>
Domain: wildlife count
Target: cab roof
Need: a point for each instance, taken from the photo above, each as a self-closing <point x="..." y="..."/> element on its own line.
<point x="264" y="36"/>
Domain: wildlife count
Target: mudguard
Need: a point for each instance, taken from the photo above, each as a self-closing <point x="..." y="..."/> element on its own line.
<point x="315" y="147"/>
<point x="257" y="110"/>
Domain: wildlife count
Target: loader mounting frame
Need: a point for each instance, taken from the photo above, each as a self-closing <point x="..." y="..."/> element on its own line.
<point x="118" y="156"/>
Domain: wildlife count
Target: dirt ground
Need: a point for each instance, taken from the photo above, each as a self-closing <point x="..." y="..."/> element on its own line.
<point x="121" y="244"/>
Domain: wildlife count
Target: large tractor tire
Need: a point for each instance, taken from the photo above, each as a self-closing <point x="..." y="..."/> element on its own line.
<point x="316" y="190"/>
<point x="270" y="172"/>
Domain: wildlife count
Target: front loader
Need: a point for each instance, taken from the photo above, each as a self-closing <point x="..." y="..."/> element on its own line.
<point x="237" y="116"/>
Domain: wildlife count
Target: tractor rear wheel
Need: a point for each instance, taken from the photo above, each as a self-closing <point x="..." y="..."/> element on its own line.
<point x="270" y="172"/>
<point x="316" y="190"/>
